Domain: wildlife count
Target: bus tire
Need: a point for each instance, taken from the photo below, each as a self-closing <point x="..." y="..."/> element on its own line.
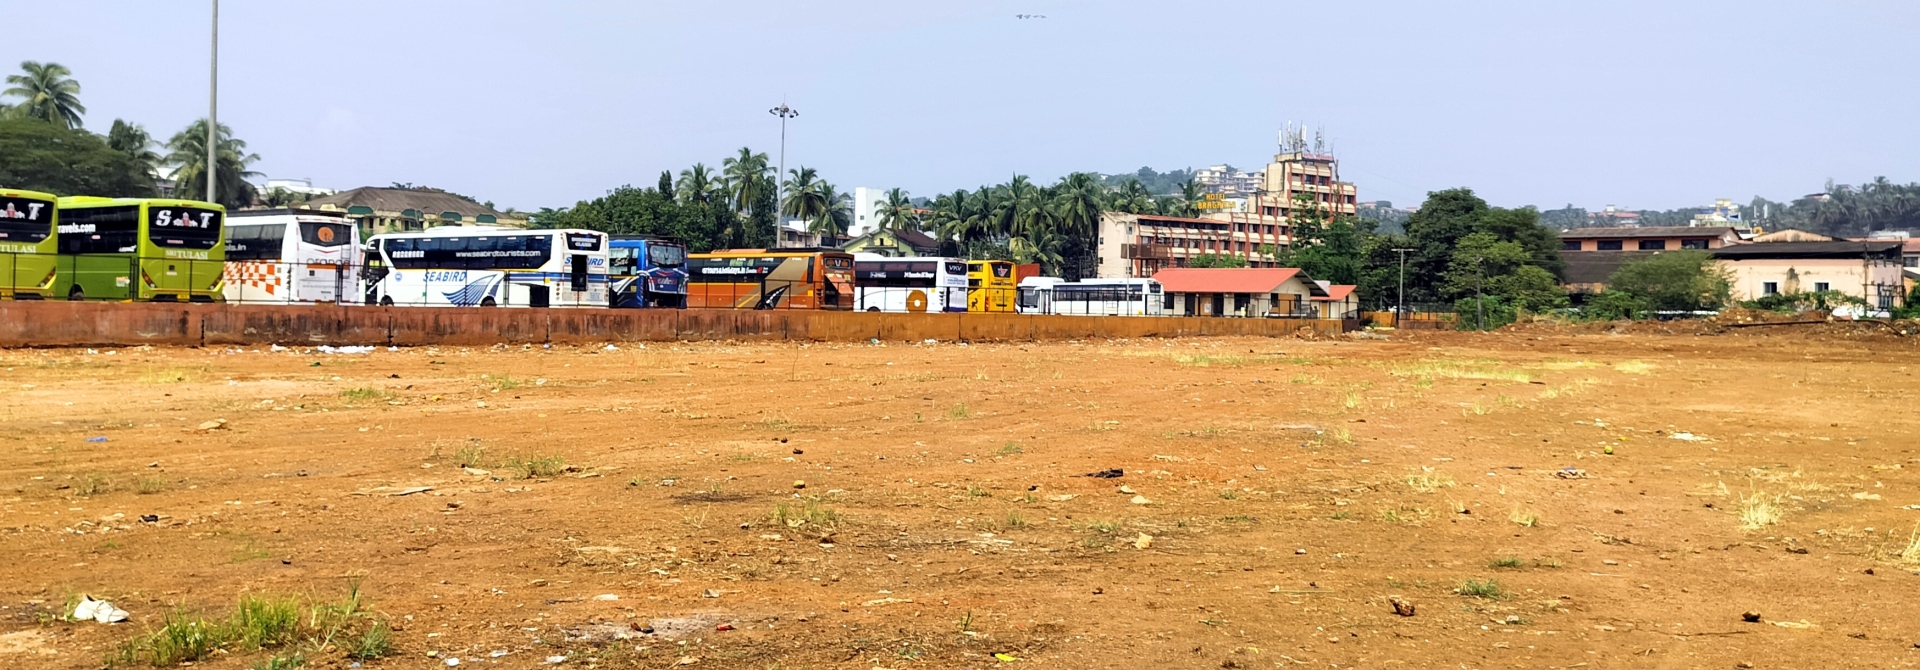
<point x="77" y="295"/>
<point x="386" y="301"/>
<point x="488" y="302"/>
<point x="873" y="309"/>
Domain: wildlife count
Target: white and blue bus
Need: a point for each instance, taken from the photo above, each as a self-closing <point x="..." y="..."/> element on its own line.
<point x="917" y="284"/>
<point x="1092" y="297"/>
<point x="488" y="267"/>
<point x="286" y="257"/>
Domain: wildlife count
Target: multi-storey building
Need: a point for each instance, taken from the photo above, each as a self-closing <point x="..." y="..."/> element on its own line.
<point x="1138" y="245"/>
<point x="1317" y="176"/>
<point x="1229" y="181"/>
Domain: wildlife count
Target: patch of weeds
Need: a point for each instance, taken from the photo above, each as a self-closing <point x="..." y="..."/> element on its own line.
<point x="181" y="638"/>
<point x="1343" y="436"/>
<point x="1204" y="361"/>
<point x="1341" y="515"/>
<point x="1014" y="520"/>
<point x="539" y="468"/>
<point x="809" y="515"/>
<point x="1548" y="563"/>
<point x="1103" y="526"/>
<point x="1237" y="518"/>
<point x="1429" y="481"/>
<point x="1476" y="370"/>
<point x="1507" y="401"/>
<point x="282" y="661"/>
<point x="168" y="376"/>
<point x="1095" y="541"/>
<point x="375" y="642"/>
<point x="1103" y="426"/>
<point x="505" y="382"/>
<point x="966" y="622"/>
<point x="262" y="621"/>
<point x="364" y="393"/>
<point x="147" y="486"/>
<point x="1010" y="449"/>
<point x="93" y="484"/>
<point x="1391" y="516"/>
<point x="784" y="425"/>
<point x="977" y="492"/>
<point x="1304" y="378"/>
<point x="1476" y="409"/>
<point x="1485" y="589"/>
<point x="1507" y="562"/>
<point x="1528" y="518"/>
<point x="1229" y="494"/>
<point x="1352" y="400"/>
<point x="1758" y="511"/>
<point x="471" y="456"/>
<point x="960" y="411"/>
<point x="1910" y="556"/>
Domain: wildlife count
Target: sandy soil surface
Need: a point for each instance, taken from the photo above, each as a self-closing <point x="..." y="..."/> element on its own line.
<point x="1537" y="499"/>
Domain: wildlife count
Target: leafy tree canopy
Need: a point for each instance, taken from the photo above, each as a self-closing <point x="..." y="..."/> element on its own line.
<point x="40" y="156"/>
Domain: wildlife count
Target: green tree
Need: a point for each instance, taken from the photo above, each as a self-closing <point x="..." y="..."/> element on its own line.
<point x="698" y="186"/>
<point x="48" y="93"/>
<point x="1211" y="260"/>
<point x="896" y="211"/>
<point x="746" y="176"/>
<point x="132" y="140"/>
<point x="1326" y="248"/>
<point x="187" y="151"/>
<point x="836" y="216"/>
<point x="802" y="200"/>
<point x="1436" y="232"/>
<point x="40" y="156"/>
<point x="1685" y="281"/>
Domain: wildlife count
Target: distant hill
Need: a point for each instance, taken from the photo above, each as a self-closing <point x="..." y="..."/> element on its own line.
<point x="1157" y="183"/>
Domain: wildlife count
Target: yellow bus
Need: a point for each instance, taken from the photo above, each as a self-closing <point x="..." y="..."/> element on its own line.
<point x="29" y="244"/>
<point x="991" y="286"/>
<point x="143" y="249"/>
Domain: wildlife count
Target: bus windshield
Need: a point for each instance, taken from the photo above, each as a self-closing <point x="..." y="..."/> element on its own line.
<point x="666" y="255"/>
<point x="25" y="220"/>
<point x="325" y="234"/>
<point x="184" y="227"/>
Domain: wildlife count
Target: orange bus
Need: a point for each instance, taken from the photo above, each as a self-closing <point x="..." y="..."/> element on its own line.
<point x="770" y="279"/>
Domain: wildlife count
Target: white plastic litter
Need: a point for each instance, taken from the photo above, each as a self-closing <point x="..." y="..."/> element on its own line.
<point x="344" y="350"/>
<point x="276" y="348"/>
<point x="612" y="348"/>
<point x="98" y="610"/>
<point x="554" y="660"/>
<point x="1687" y="437"/>
<point x="606" y="596"/>
<point x="452" y="662"/>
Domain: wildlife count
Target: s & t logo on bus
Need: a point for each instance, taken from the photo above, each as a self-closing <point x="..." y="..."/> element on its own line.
<point x="183" y="218"/>
<point x="32" y="213"/>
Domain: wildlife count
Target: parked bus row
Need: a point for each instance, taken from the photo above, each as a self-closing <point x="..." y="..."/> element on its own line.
<point x="160" y="250"/>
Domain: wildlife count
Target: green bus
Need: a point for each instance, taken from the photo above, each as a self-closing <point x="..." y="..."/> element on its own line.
<point x="28" y="246"/>
<point x="146" y="249"/>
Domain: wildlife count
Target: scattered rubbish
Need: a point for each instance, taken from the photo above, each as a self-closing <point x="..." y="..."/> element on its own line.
<point x="477" y="471"/>
<point x="1128" y="490"/>
<point x="98" y="610"/>
<point x="1063" y="497"/>
<point x="1005" y="657"/>
<point x="149" y="518"/>
<point x="392" y="491"/>
<point x="606" y="596"/>
<point x="1687" y="437"/>
<point x="1401" y="606"/>
<point x="723" y="627"/>
<point x="1299" y="552"/>
<point x="452" y="662"/>
<point x="1140" y="500"/>
<point x="216" y="424"/>
<point x="1802" y="624"/>
<point x="102" y="438"/>
<point x="556" y="660"/>
<point x="1143" y="541"/>
<point x="1750" y="617"/>
<point x="497" y="653"/>
<point x="1608" y="450"/>
<point x="1571" y="472"/>
<point x="687" y="660"/>
<point x="276" y="347"/>
<point x="886" y="601"/>
<point x="799" y="484"/>
<point x="344" y="350"/>
<point x="1106" y="474"/>
<point x="1863" y="495"/>
<point x="709" y="593"/>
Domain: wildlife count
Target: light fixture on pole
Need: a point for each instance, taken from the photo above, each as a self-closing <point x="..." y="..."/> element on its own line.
<point x="213" y="108"/>
<point x="784" y="112"/>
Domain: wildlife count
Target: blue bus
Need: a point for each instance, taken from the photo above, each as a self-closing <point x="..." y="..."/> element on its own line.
<point x="647" y="271"/>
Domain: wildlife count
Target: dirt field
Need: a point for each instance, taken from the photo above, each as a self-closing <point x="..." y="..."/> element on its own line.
<point x="1277" y="496"/>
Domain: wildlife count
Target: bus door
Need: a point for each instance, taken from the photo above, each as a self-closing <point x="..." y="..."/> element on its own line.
<point x="577" y="272"/>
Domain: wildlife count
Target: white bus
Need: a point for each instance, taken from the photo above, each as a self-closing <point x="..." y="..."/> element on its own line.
<point x="285" y="257"/>
<point x="470" y="266"/>
<point x="916" y="284"/>
<point x="1092" y="297"/>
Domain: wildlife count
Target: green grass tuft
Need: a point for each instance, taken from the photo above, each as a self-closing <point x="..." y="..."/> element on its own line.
<point x="1481" y="588"/>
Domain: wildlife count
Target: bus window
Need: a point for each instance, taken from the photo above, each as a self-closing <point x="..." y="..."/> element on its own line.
<point x="184" y="227"/>
<point x="623" y="261"/>
<point x="325" y="234"/>
<point x="666" y="255"/>
<point x="99" y="230"/>
<point x="24" y="221"/>
<point x="255" y="243"/>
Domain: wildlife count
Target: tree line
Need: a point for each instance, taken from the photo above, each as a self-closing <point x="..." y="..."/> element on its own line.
<point x="1837" y="210"/>
<point x="44" y="146"/>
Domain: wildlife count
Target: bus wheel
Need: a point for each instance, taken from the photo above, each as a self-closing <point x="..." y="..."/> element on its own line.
<point x="488" y="302"/>
<point x="76" y="294"/>
<point x="386" y="301"/>
<point x="873" y="309"/>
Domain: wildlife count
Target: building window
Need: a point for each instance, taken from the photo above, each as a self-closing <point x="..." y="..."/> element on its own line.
<point x="1770" y="288"/>
<point x="1821" y="286"/>
<point x="1653" y="245"/>
<point x="1609" y="245"/>
<point x="1693" y="244"/>
<point x="1911" y="261"/>
<point x="1570" y="245"/>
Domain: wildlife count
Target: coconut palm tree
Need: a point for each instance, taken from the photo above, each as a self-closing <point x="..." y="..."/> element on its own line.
<point x="50" y="94"/>
<point x="1078" y="202"/>
<point x="188" y="153"/>
<point x="1134" y="198"/>
<point x="896" y="211"/>
<point x="802" y="200"/>
<point x="746" y="176"/>
<point x="698" y="186"/>
<point x="133" y="140"/>
<point x="836" y="214"/>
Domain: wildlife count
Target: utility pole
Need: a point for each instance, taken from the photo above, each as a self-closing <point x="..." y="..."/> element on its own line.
<point x="780" y="184"/>
<point x="213" y="107"/>
<point x="1400" y="303"/>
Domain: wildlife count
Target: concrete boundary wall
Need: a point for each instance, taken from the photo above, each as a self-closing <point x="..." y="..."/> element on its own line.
<point x="60" y="323"/>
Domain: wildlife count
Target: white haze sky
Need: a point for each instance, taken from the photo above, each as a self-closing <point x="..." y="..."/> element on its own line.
<point x="1639" y="103"/>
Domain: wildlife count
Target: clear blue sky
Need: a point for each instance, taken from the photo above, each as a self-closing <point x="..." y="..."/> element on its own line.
<point x="1640" y="103"/>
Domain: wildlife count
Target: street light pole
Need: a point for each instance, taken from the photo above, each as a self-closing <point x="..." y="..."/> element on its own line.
<point x="780" y="184"/>
<point x="1400" y="302"/>
<point x="213" y="107"/>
